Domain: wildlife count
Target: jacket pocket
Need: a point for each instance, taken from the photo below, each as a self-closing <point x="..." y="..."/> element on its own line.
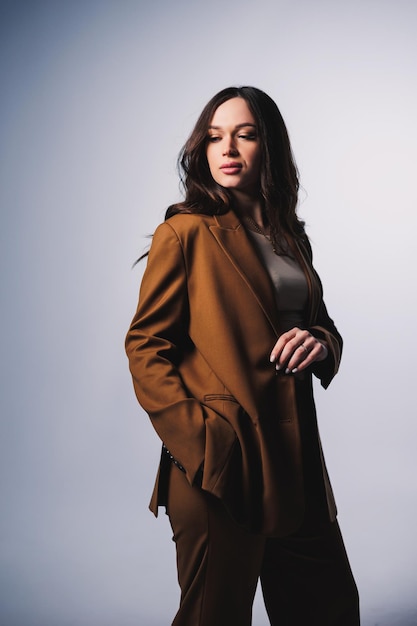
<point x="209" y="397"/>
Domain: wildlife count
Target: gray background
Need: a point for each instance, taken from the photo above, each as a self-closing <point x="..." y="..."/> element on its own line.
<point x="97" y="98"/>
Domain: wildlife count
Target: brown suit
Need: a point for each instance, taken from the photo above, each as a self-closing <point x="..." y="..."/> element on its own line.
<point x="199" y="348"/>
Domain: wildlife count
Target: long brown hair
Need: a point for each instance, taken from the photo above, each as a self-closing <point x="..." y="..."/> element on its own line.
<point x="279" y="176"/>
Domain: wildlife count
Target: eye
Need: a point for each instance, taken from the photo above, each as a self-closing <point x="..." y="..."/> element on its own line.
<point x="213" y="138"/>
<point x="248" y="136"/>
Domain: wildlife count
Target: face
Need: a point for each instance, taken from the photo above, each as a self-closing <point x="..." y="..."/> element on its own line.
<point x="233" y="148"/>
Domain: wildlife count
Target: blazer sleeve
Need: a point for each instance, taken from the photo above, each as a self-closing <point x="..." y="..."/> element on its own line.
<point x="155" y="343"/>
<point x="324" y="328"/>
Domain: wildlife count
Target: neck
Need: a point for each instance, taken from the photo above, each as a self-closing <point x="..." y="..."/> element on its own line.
<point x="248" y="206"/>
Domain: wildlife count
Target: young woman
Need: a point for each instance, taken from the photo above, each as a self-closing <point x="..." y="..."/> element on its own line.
<point x="230" y="328"/>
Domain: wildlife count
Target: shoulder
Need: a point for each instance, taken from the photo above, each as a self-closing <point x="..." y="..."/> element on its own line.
<point x="184" y="226"/>
<point x="183" y="222"/>
<point x="184" y="234"/>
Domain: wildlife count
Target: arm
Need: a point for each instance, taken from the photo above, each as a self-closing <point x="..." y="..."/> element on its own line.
<point x="326" y="332"/>
<point x="155" y="345"/>
<point x="319" y="346"/>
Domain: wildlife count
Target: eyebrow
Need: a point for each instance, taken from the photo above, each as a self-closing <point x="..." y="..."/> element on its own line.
<point x="211" y="127"/>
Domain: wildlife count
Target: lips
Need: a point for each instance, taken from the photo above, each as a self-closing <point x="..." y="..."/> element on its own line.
<point x="231" y="168"/>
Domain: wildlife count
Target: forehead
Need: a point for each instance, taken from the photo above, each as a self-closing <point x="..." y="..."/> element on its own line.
<point x="233" y="112"/>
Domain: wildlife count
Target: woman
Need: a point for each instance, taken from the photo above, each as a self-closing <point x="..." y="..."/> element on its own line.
<point x="229" y="329"/>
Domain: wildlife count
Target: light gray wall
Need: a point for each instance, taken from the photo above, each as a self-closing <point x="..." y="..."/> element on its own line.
<point x="97" y="98"/>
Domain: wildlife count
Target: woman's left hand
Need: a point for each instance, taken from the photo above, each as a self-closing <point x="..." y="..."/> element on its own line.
<point x="297" y="349"/>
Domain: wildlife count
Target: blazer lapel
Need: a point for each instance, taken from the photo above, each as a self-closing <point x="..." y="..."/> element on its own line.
<point x="235" y="243"/>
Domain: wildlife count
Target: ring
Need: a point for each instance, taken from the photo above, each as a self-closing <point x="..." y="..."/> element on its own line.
<point x="303" y="346"/>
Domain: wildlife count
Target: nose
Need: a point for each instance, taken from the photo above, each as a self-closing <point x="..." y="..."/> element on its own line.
<point x="229" y="147"/>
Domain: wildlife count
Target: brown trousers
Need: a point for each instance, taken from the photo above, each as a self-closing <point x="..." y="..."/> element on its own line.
<point x="306" y="578"/>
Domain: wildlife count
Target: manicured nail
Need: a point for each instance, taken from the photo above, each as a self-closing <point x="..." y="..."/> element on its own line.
<point x="277" y="367"/>
<point x="272" y="358"/>
<point x="295" y="370"/>
<point x="288" y="371"/>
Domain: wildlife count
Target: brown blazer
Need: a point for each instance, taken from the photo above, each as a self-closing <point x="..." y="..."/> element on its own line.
<point x="198" y="349"/>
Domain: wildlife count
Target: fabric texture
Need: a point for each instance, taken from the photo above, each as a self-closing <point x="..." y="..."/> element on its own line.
<point x="305" y="577"/>
<point x="199" y="348"/>
<point x="244" y="480"/>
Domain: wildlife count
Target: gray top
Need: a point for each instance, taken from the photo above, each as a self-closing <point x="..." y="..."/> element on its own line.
<point x="291" y="290"/>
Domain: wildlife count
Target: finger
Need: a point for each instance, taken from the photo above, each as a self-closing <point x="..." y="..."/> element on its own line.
<point x="293" y="348"/>
<point x="298" y="363"/>
<point x="281" y="343"/>
<point x="300" y="358"/>
<point x="290" y="346"/>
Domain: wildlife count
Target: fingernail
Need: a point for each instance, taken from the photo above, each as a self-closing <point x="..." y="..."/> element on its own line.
<point x="295" y="370"/>
<point x="272" y="358"/>
<point x="277" y="367"/>
<point x="288" y="371"/>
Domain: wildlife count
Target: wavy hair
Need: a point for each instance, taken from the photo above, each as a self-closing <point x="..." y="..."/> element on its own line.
<point x="279" y="175"/>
